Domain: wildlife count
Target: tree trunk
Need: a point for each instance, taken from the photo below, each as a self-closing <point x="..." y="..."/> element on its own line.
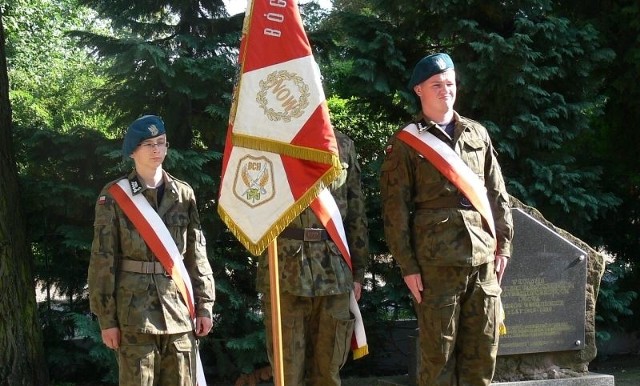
<point x="21" y="351"/>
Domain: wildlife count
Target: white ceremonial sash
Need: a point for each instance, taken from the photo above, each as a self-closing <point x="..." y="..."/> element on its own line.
<point x="327" y="211"/>
<point x="448" y="162"/>
<point x="157" y="237"/>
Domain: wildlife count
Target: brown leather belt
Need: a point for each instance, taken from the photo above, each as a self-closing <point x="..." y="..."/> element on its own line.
<point x="149" y="267"/>
<point x="457" y="202"/>
<point x="305" y="234"/>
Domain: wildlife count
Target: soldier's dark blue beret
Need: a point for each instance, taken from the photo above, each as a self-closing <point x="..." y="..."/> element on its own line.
<point x="145" y="127"/>
<point x="428" y="66"/>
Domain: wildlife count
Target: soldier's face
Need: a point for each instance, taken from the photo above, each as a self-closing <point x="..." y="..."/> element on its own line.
<point x="438" y="93"/>
<point x="151" y="152"/>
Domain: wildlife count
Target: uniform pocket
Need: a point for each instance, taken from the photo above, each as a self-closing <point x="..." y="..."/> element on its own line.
<point x="342" y="346"/>
<point x="177" y="224"/>
<point x="492" y="291"/>
<point x="473" y="152"/>
<point x="137" y="363"/>
<point x="131" y="297"/>
<point x="184" y="354"/>
<point x="439" y="316"/>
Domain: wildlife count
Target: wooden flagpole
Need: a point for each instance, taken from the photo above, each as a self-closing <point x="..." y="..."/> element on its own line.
<point x="276" y="325"/>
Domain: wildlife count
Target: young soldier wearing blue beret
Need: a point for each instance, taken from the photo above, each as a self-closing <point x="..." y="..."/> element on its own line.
<point x="450" y="235"/>
<point x="135" y="294"/>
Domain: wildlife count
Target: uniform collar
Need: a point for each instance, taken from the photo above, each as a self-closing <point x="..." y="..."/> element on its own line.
<point x="137" y="186"/>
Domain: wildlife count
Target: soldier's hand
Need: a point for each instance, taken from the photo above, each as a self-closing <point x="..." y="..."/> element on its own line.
<point x="357" y="290"/>
<point x="111" y="337"/>
<point x="203" y="325"/>
<point x="501" y="265"/>
<point x="414" y="282"/>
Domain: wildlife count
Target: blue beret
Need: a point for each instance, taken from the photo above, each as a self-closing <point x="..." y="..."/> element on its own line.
<point x="145" y="127"/>
<point x="428" y="66"/>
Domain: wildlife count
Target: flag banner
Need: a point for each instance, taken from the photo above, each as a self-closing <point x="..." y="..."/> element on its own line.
<point x="280" y="150"/>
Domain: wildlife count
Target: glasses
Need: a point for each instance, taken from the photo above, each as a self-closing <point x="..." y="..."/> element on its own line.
<point x="153" y="145"/>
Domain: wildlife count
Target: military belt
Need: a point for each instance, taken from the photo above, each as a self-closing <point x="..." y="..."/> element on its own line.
<point x="149" y="267"/>
<point x="458" y="202"/>
<point x="305" y="234"/>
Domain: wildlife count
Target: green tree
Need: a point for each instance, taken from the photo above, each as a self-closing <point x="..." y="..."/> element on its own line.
<point x="613" y="146"/>
<point x="172" y="58"/>
<point x="50" y="76"/>
<point x="22" y="356"/>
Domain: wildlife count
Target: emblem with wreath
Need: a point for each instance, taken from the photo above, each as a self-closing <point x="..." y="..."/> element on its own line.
<point x="283" y="76"/>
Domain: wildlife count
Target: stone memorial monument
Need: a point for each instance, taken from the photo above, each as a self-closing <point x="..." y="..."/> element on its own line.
<point x="549" y="296"/>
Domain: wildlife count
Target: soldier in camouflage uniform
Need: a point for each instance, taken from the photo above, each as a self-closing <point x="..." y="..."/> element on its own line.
<point x="315" y="283"/>
<point x="139" y="307"/>
<point x="450" y="261"/>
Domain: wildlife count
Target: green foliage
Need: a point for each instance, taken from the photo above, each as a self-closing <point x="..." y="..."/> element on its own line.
<point x="49" y="75"/>
<point x="614" y="302"/>
<point x="174" y="59"/>
<point x="614" y="145"/>
<point x="57" y="169"/>
<point x="540" y="111"/>
<point x="73" y="345"/>
<point x="102" y="358"/>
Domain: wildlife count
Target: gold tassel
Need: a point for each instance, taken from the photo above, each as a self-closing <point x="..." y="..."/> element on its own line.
<point x="360" y="352"/>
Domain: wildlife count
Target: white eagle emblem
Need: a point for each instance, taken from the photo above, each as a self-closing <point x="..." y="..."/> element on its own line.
<point x="253" y="182"/>
<point x="153" y="130"/>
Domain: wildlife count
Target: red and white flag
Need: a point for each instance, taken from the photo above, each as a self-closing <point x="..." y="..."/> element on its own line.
<point x="280" y="149"/>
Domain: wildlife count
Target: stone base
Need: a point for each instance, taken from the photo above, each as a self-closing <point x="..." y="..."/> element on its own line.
<point x="591" y="379"/>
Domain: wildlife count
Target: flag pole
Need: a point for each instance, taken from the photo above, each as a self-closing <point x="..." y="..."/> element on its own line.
<point x="276" y="325"/>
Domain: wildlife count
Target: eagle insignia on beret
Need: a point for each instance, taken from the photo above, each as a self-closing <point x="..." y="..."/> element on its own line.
<point x="153" y="130"/>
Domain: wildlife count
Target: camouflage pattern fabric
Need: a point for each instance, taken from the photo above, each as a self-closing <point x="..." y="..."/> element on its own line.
<point x="448" y="236"/>
<point x="452" y="249"/>
<point x="315" y="283"/>
<point x="140" y="303"/>
<point x="458" y="321"/>
<point x="157" y="360"/>
<point x="316" y="336"/>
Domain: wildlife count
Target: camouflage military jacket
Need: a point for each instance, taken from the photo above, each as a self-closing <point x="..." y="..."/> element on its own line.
<point x="424" y="225"/>
<point x="317" y="268"/>
<point x="147" y="303"/>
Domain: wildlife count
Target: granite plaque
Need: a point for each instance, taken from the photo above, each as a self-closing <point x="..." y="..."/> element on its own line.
<point x="544" y="291"/>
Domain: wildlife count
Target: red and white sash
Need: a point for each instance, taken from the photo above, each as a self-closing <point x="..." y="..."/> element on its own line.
<point x="327" y="211"/>
<point x="157" y="237"/>
<point x="452" y="167"/>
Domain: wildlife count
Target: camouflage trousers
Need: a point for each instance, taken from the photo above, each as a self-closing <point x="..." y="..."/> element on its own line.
<point x="157" y="360"/>
<point x="458" y="321"/>
<point x="316" y="338"/>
